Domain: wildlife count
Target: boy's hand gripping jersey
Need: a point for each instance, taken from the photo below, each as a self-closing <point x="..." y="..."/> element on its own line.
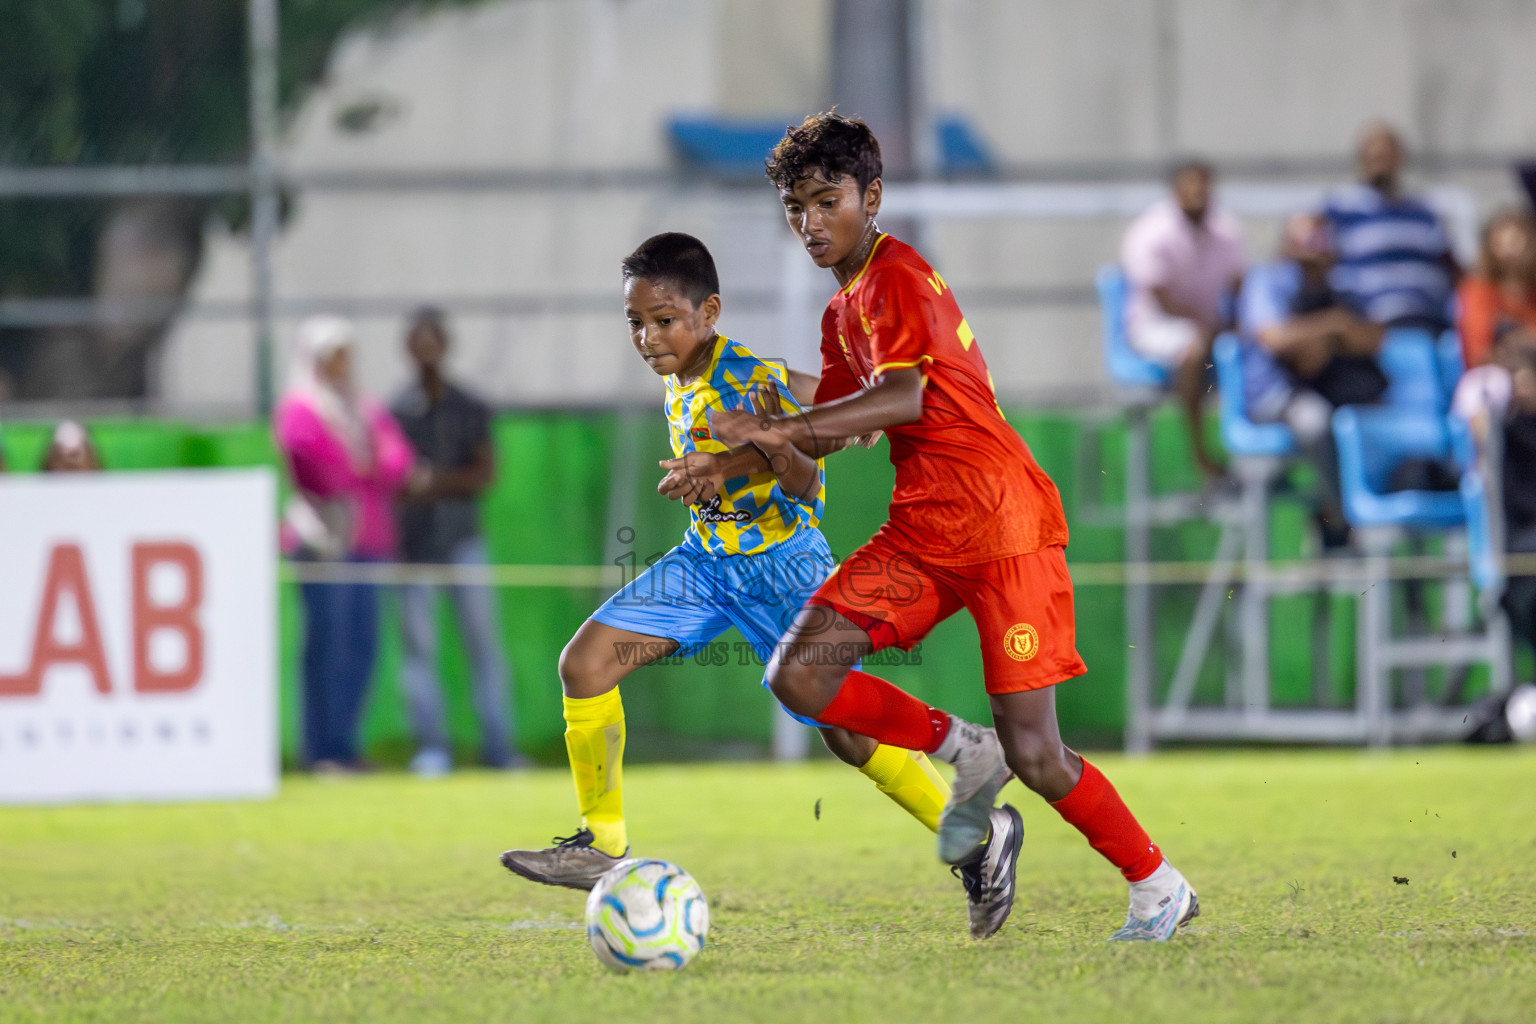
<point x="967" y="488"/>
<point x="753" y="514"/>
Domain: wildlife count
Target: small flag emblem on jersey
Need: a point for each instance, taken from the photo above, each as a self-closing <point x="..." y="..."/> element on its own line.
<point x="699" y="433"/>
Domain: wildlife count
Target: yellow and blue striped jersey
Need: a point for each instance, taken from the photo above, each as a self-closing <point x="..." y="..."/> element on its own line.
<point x="753" y="514"/>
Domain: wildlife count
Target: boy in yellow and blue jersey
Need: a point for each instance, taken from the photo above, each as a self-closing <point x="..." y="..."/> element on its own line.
<point x="751" y="557"/>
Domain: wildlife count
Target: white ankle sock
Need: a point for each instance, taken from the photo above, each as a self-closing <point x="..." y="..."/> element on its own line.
<point x="1149" y="894"/>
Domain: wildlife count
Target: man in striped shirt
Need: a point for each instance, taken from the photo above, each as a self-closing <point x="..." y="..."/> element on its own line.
<point x="1395" y="262"/>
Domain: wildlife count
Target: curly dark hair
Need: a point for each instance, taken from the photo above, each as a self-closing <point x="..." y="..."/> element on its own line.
<point x="680" y="260"/>
<point x="828" y="143"/>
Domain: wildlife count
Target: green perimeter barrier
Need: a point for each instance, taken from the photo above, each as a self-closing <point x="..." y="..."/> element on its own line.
<point x="550" y="505"/>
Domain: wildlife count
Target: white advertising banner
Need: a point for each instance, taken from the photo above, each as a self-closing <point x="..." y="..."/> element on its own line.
<point x="138" y="636"/>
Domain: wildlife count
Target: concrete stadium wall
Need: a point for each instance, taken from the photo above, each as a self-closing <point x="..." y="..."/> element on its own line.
<point x="581" y="85"/>
<point x="1233" y="79"/>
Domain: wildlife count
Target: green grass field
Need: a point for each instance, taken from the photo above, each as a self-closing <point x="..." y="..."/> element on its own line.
<point x="380" y="899"/>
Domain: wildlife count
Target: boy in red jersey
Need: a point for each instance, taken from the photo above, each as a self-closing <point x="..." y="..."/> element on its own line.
<point x="974" y="523"/>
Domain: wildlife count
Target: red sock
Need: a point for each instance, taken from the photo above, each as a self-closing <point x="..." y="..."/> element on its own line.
<point x="873" y="707"/>
<point x="1096" y="810"/>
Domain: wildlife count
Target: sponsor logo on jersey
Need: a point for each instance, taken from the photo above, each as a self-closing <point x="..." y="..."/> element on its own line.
<point x="711" y="513"/>
<point x="1021" y="642"/>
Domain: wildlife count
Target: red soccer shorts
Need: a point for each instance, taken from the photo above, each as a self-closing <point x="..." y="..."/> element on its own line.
<point x="1022" y="607"/>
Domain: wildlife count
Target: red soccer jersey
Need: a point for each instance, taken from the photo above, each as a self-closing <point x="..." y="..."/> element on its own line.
<point x="967" y="488"/>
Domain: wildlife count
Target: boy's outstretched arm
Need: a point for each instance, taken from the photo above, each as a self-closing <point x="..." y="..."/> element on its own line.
<point x="699" y="476"/>
<point x="798" y="474"/>
<point x="896" y="398"/>
<point x="803" y="386"/>
<point x="857" y="419"/>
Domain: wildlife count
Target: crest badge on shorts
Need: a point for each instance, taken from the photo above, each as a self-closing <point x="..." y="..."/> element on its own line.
<point x="1021" y="642"/>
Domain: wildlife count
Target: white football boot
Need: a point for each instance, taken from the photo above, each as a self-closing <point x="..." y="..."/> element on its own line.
<point x="980" y="774"/>
<point x="1161" y="904"/>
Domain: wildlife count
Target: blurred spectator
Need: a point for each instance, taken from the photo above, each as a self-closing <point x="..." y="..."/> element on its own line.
<point x="71" y="450"/>
<point x="348" y="459"/>
<point x="1304" y="353"/>
<point x="1183" y="259"/>
<point x="1503" y="393"/>
<point x="1500" y="296"/>
<point x="440" y="524"/>
<point x="1395" y="263"/>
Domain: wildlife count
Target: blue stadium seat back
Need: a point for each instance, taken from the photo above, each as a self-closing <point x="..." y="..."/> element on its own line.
<point x="1387" y="436"/>
<point x="1409" y="360"/>
<point x="1125" y="365"/>
<point x="724" y="145"/>
<point x="1372" y="442"/>
<point x="961" y="147"/>
<point x="1486" y="571"/>
<point x="1239" y="434"/>
<point x="1451" y="363"/>
<point x="1482" y="557"/>
<point x="1463" y="445"/>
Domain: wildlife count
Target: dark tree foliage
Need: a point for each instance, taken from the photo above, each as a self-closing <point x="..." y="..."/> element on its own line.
<point x="97" y="82"/>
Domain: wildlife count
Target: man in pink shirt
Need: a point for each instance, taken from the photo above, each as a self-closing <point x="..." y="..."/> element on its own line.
<point x="1182" y="258"/>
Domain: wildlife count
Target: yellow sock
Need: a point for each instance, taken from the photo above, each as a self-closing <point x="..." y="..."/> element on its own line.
<point x="594" y="739"/>
<point x="909" y="778"/>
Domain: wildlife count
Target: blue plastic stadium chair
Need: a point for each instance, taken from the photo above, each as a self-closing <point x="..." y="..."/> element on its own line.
<point x="1126" y="366"/>
<point x="1483" y="558"/>
<point x="1451" y="363"/>
<point x="1375" y="440"/>
<point x="723" y="145"/>
<point x="1412" y="367"/>
<point x="961" y="147"/>
<point x="1463" y="446"/>
<point x="1240" y="435"/>
<point x="1482" y="548"/>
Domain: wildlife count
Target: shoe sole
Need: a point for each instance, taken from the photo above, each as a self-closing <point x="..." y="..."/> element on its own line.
<point x="1011" y="855"/>
<point x="1193" y="911"/>
<point x="522" y="871"/>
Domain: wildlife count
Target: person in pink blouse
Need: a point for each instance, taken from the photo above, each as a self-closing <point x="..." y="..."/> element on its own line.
<point x="347" y="459"/>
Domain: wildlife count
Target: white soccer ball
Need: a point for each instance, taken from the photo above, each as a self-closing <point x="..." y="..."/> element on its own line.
<point x="646" y="915"/>
<point x="1520" y="712"/>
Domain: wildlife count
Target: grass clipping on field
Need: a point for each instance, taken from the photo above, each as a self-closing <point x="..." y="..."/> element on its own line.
<point x="381" y="899"/>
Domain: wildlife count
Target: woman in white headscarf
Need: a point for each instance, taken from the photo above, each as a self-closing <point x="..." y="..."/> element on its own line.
<point x="348" y="459"/>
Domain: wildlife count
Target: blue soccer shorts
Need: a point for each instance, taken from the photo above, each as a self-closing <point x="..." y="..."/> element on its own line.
<point x="691" y="596"/>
